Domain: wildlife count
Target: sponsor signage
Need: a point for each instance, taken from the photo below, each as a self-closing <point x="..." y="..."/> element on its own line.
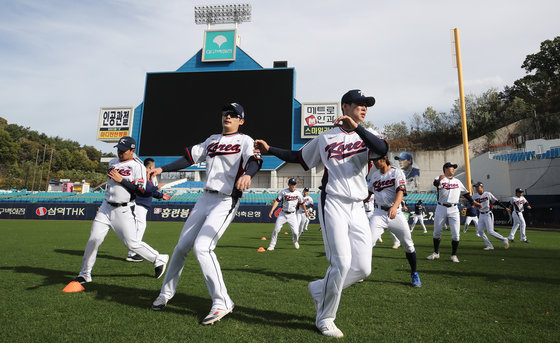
<point x="317" y="118"/>
<point x="114" y="123"/>
<point x="219" y="45"/>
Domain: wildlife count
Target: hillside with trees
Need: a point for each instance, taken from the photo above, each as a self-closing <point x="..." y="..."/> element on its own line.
<point x="536" y="95"/>
<point x="26" y="162"/>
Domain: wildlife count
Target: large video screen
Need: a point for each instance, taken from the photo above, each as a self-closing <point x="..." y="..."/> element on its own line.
<point x="184" y="108"/>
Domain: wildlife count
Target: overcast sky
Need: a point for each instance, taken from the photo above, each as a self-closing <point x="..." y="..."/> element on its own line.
<point x="61" y="60"/>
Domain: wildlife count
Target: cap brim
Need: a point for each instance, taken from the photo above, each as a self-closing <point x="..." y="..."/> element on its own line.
<point x="122" y="147"/>
<point x="370" y="101"/>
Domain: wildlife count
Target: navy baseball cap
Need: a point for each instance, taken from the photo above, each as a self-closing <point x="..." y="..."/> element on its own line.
<point x="306" y="189"/>
<point x="126" y="143"/>
<point x="478" y="184"/>
<point x="519" y="190"/>
<point x="404" y="156"/>
<point x="234" y="108"/>
<point x="357" y="96"/>
<point x="292" y="181"/>
<point x="449" y="164"/>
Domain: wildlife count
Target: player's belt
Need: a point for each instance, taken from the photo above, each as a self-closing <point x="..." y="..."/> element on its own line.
<point x="210" y="191"/>
<point x="288" y="212"/>
<point x="485" y="212"/>
<point x="446" y="205"/>
<point x="118" y="204"/>
<point x="383" y="207"/>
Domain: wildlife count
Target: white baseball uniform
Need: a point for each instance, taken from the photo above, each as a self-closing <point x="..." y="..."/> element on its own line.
<point x="418" y="216"/>
<point x="226" y="157"/>
<point x="486" y="219"/>
<point x="518" y="205"/>
<point x="290" y="201"/>
<point x="116" y="212"/>
<point x="345" y="228"/>
<point x="449" y="191"/>
<point x="384" y="188"/>
<point x="303" y="219"/>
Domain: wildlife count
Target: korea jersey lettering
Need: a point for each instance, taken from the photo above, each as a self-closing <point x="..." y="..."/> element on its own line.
<point x="290" y="200"/>
<point x="449" y="190"/>
<point x="226" y="159"/>
<point x="485" y="199"/>
<point x="308" y="202"/>
<point x="385" y="186"/>
<point x="518" y="203"/>
<point x="345" y="157"/>
<point x="132" y="170"/>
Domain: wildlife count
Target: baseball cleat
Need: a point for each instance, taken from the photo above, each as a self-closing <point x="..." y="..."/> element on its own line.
<point x="134" y="258"/>
<point x="425" y="231"/>
<point x="270" y="248"/>
<point x="433" y="256"/>
<point x="526" y="241"/>
<point x="296" y="244"/>
<point x="488" y="248"/>
<point x="454" y="259"/>
<point x="160" y="303"/>
<point x="331" y="330"/>
<point x="380" y="240"/>
<point x="396" y="245"/>
<point x="215" y="315"/>
<point x="511" y="240"/>
<point x="160" y="265"/>
<point x="81" y="280"/>
<point x="416" y="280"/>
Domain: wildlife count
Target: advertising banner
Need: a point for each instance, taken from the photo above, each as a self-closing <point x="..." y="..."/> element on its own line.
<point x="114" y="123"/>
<point x="317" y="118"/>
<point x="219" y="45"/>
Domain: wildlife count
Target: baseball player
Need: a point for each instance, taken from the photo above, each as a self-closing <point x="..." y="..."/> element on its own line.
<point x="449" y="190"/>
<point x="343" y="151"/>
<point x="305" y="214"/>
<point x="517" y="206"/>
<point x="143" y="204"/>
<point x="388" y="185"/>
<point x="117" y="211"/>
<point x="231" y="163"/>
<point x="471" y="217"/>
<point x="290" y="198"/>
<point x="419" y="211"/>
<point x="410" y="172"/>
<point x="486" y="220"/>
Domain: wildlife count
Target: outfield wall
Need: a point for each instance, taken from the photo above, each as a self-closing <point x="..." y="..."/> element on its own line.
<point x="171" y="212"/>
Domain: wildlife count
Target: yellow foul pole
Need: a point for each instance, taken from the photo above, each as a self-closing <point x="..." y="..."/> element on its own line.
<point x="463" y="111"/>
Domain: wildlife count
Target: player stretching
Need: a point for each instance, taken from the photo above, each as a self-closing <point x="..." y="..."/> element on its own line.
<point x="290" y="198"/>
<point x="231" y="162"/>
<point x="517" y="206"/>
<point x="470" y="217"/>
<point x="449" y="190"/>
<point x="486" y="220"/>
<point x="117" y="211"/>
<point x="388" y="185"/>
<point x="343" y="151"/>
<point x="304" y="214"/>
<point x="419" y="210"/>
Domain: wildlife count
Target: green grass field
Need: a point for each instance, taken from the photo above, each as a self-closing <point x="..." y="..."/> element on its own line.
<point x="498" y="296"/>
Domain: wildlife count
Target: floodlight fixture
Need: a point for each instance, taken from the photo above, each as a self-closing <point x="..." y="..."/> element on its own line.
<point x="222" y="14"/>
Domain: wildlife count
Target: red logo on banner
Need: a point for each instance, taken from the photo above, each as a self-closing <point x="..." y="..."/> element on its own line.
<point x="41" y="211"/>
<point x="311" y="120"/>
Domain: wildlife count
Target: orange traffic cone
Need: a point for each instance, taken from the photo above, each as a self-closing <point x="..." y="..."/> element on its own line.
<point x="73" y="287"/>
<point x="263" y="239"/>
<point x="285" y="233"/>
<point x="261" y="249"/>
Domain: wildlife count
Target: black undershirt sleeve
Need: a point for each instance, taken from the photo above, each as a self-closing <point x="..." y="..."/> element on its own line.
<point x="181" y="163"/>
<point x="372" y="142"/>
<point x="253" y="166"/>
<point x="468" y="197"/>
<point x="285" y="155"/>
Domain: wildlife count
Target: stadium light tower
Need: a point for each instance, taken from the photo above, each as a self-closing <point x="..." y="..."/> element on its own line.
<point x="222" y="14"/>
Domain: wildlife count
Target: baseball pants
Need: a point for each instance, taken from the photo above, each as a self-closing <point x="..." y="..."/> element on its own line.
<point x="121" y="219"/>
<point x="418" y="217"/>
<point x="468" y="220"/>
<point x="451" y="216"/>
<point x="348" y="241"/>
<point x="303" y="223"/>
<point x="518" y="222"/>
<point x="487" y="221"/>
<point x="206" y="224"/>
<point x="285" y="218"/>
<point x="397" y="226"/>
<point x="140" y="212"/>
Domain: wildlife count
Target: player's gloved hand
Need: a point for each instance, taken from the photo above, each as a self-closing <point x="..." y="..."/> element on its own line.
<point x="243" y="183"/>
<point x="261" y="145"/>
